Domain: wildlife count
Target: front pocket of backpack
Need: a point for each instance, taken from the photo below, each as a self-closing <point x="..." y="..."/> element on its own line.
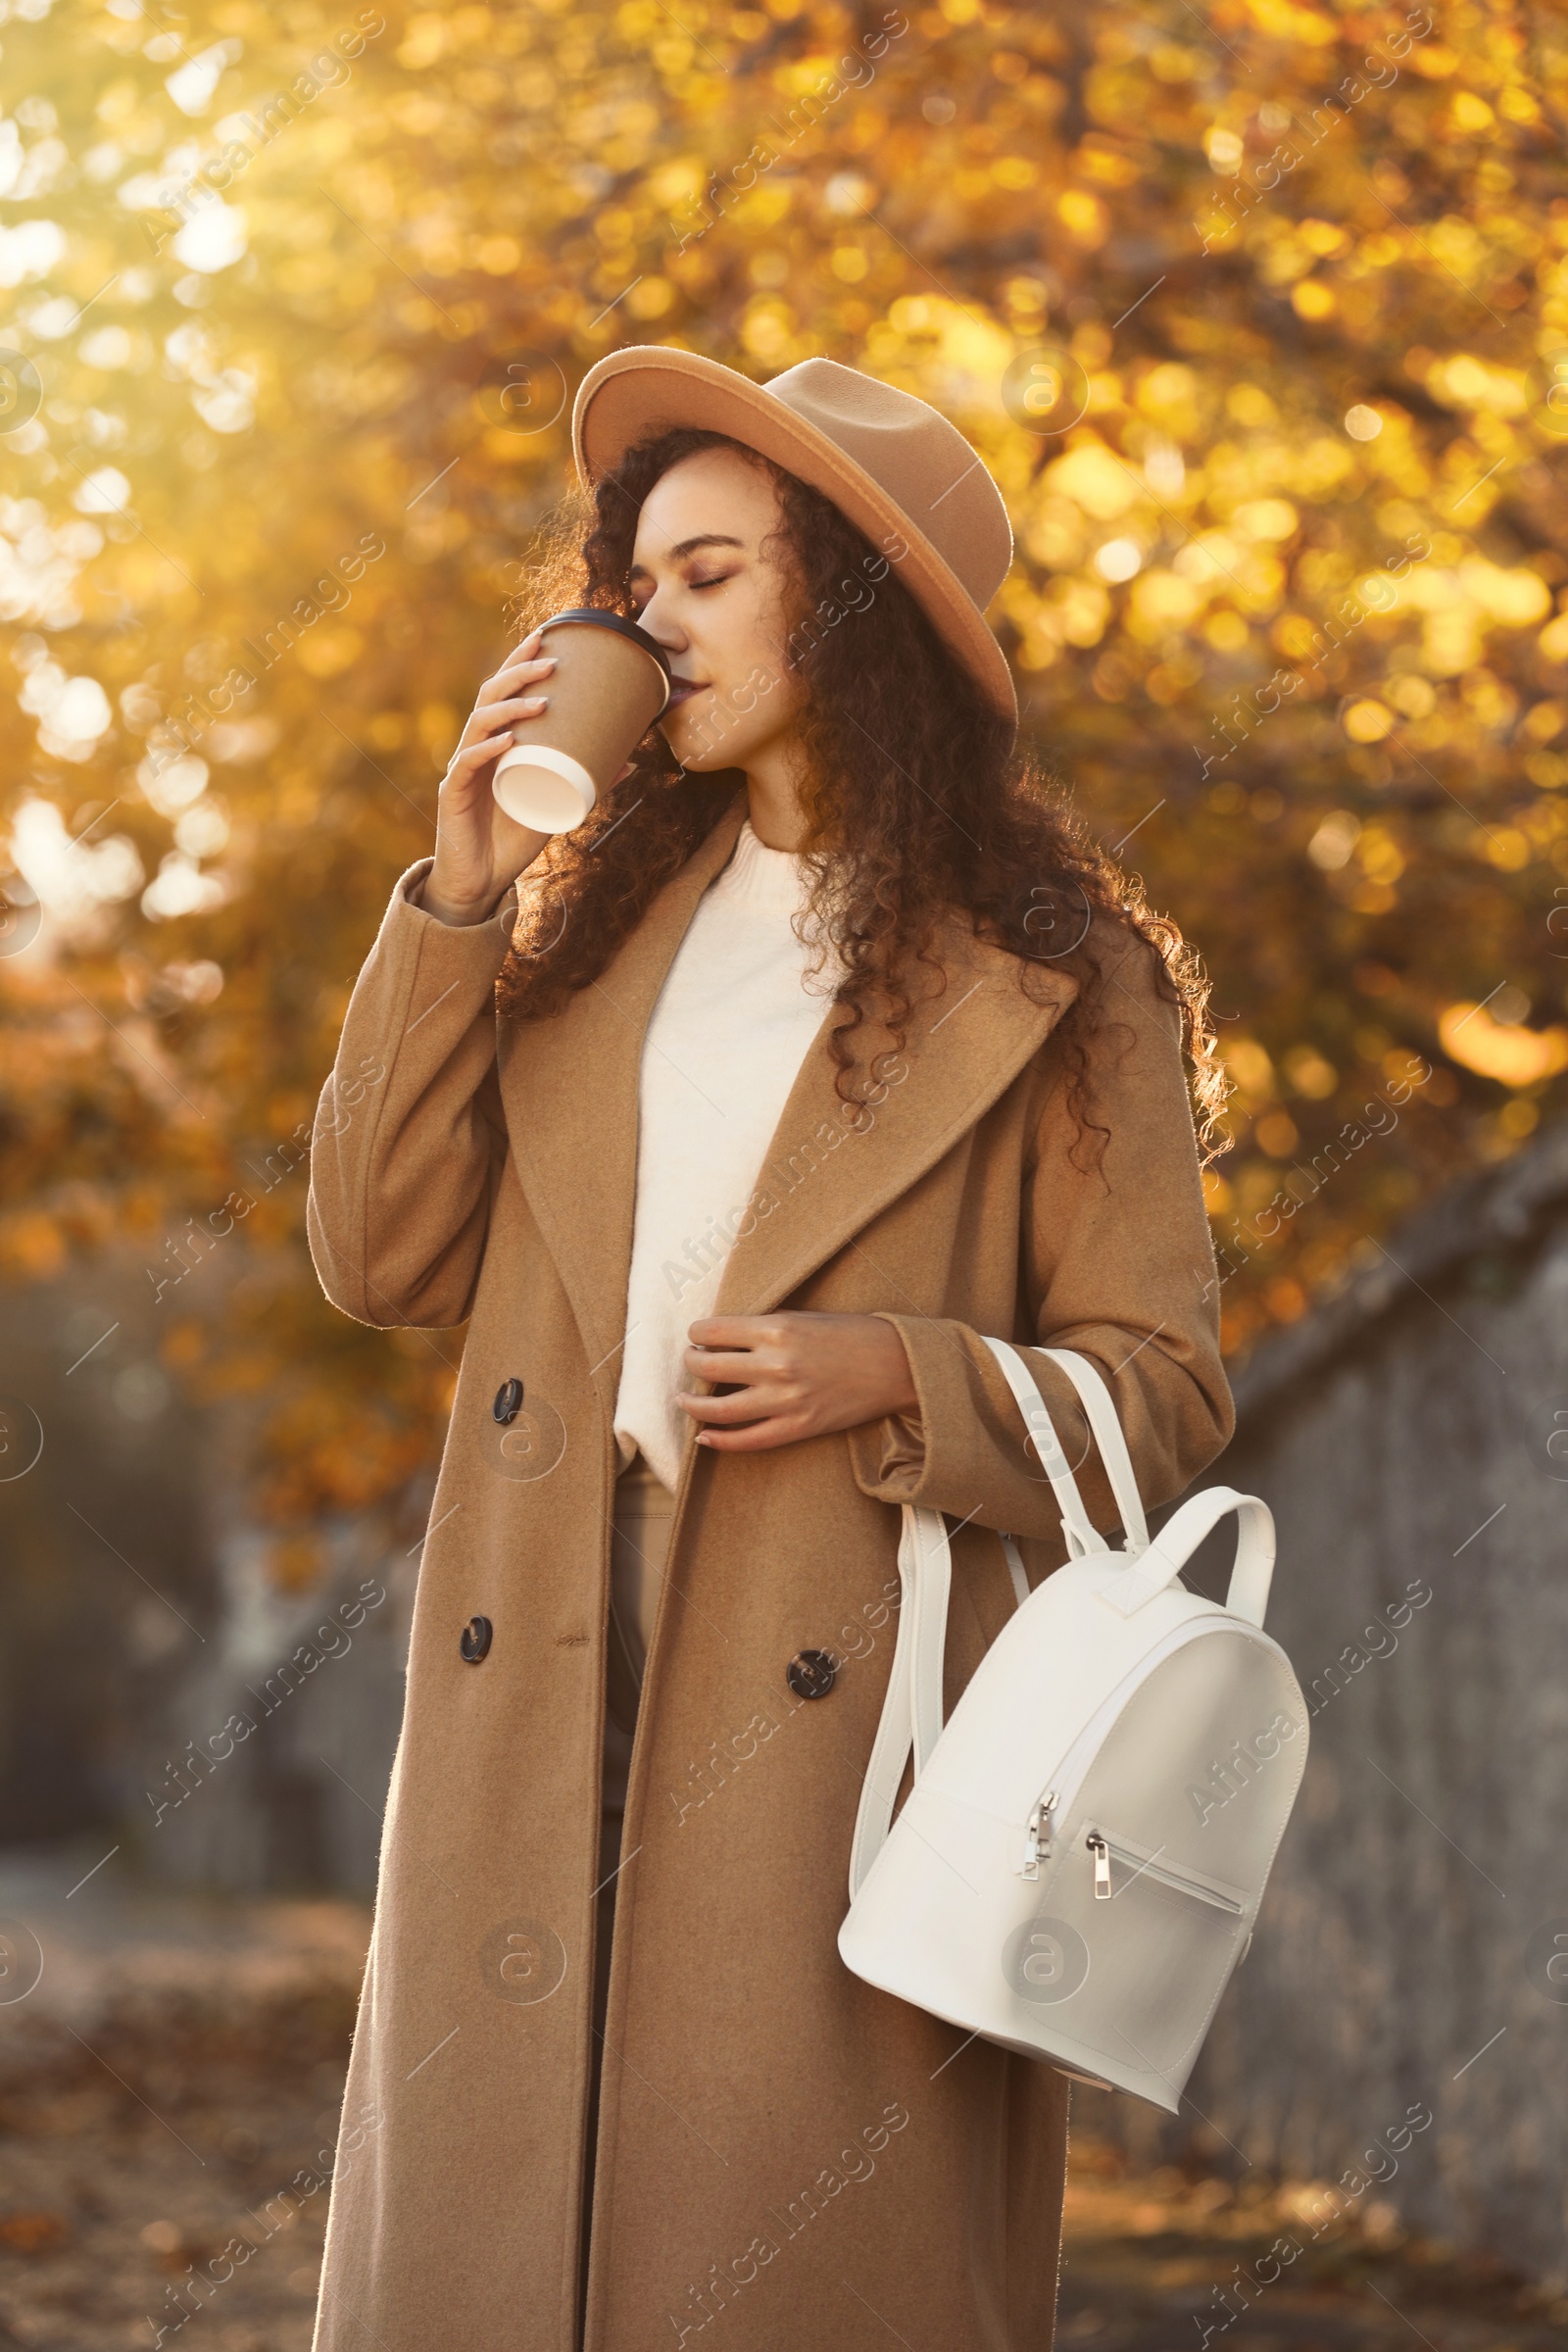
<point x="1124" y="1861"/>
<point x="1159" y="1945"/>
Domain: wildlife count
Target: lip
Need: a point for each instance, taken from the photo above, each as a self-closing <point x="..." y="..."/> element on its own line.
<point x="682" y="690"/>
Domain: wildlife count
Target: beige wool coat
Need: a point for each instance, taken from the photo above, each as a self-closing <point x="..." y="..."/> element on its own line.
<point x="787" y="2159"/>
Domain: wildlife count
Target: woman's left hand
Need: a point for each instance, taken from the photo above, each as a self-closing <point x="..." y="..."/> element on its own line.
<point x="795" y="1376"/>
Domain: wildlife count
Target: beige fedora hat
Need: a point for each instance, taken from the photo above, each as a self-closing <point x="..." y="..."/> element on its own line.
<point x="886" y="459"/>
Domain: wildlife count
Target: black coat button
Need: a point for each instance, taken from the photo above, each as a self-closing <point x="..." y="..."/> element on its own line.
<point x="811" y="1673"/>
<point x="477" y="1639"/>
<point x="509" y="1401"/>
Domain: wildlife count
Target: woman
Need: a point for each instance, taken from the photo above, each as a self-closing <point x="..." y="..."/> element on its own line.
<point x="730" y="1123"/>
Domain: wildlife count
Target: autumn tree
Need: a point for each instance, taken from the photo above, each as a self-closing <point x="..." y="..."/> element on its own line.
<point x="1259" y="318"/>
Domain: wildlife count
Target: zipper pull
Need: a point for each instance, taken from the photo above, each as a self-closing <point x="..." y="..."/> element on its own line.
<point x="1102" y="1852"/>
<point x="1037" y="1837"/>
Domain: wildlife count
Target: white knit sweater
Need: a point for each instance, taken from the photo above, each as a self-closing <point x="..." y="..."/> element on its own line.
<point x="731" y="1026"/>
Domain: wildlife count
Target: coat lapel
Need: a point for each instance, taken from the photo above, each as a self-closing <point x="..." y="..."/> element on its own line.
<point x="569" y="1087"/>
<point x="825" y="1177"/>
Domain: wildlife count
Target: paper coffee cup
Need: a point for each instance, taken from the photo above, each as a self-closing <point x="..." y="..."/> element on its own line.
<point x="611" y="681"/>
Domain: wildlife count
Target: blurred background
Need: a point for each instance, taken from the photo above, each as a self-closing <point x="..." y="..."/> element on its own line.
<point x="1259" y="316"/>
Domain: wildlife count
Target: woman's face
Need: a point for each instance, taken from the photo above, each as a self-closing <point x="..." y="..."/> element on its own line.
<point x="703" y="586"/>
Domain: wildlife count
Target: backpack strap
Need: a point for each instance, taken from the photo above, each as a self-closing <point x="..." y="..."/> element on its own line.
<point x="912" y="1711"/>
<point x="1076" y="1524"/>
<point x="1105" y="1423"/>
<point x="1017" y="1570"/>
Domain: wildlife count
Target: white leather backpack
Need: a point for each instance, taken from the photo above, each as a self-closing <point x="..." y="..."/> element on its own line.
<point x="1079" y="1864"/>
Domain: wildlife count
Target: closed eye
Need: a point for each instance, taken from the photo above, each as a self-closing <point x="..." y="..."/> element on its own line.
<point x="640" y="604"/>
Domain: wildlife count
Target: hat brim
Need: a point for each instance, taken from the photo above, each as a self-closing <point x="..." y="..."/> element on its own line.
<point x="649" y="386"/>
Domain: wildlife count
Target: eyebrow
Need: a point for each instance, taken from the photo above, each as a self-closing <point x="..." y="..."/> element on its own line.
<point x="640" y="572"/>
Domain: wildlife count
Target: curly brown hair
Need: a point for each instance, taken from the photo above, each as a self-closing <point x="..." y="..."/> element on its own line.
<point x="918" y="806"/>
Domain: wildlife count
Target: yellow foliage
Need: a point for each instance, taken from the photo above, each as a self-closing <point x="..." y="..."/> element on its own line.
<point x="1367" y="721"/>
<point x="1507" y="847"/>
<point x="1312" y="299"/>
<point x="1249" y="1064"/>
<point x="539" y="188"/>
<point x="1080" y="609"/>
<point x="1508" y="1052"/>
<point x="1379" y="856"/>
<point x="1285" y="21"/>
<point x="1266" y="518"/>
<point x="1309" y="1073"/>
<point x="1464" y="381"/>
<point x="1469" y="112"/>
<point x="327" y="651"/>
<point x="1094" y="478"/>
<point x="32" y="1247"/>
<point x="1083" y="216"/>
<point x="1160" y="600"/>
<point x="1168" y="393"/>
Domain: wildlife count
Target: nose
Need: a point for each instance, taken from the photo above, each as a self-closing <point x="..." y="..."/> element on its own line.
<point x="654" y="618"/>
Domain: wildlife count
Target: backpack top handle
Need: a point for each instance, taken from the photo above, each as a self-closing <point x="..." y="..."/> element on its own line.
<point x="1251" y="1573"/>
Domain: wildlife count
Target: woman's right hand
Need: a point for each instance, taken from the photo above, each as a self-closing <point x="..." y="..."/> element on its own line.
<point x="480" y="850"/>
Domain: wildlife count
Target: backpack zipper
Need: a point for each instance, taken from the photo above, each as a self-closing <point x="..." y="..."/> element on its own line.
<point x="1038" y="1835"/>
<point x="1149" y="1866"/>
<point x="1054" y="1800"/>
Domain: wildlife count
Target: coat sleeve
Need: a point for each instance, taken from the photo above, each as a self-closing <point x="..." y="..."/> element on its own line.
<point x="410" y="1135"/>
<point x="1117" y="1264"/>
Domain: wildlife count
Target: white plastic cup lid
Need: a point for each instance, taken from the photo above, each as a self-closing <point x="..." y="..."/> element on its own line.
<point x="546" y="790"/>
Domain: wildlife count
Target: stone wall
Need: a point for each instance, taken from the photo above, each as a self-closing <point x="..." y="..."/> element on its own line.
<point x="1412" y="1441"/>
